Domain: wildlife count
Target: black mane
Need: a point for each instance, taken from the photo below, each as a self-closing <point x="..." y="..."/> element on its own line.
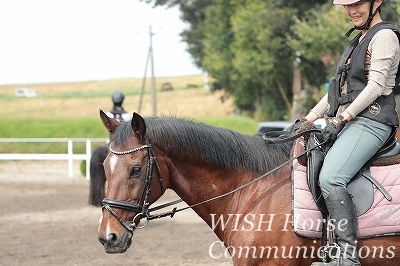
<point x="217" y="146"/>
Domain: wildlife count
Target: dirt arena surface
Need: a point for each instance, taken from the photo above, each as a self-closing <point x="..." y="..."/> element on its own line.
<point x="45" y="220"/>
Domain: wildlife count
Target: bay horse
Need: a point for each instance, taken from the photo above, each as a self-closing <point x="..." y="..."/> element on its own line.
<point x="203" y="165"/>
<point x="97" y="175"/>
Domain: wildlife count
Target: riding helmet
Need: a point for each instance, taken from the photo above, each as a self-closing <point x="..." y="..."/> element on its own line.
<point x="117" y="98"/>
<point x="345" y="2"/>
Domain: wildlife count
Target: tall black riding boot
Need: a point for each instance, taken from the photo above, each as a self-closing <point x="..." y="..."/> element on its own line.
<point x="343" y="217"/>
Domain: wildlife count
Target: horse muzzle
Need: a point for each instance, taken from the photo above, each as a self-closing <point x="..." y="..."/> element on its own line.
<point x="115" y="243"/>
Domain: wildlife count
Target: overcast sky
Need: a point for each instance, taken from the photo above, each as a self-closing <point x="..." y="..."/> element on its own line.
<point x="79" y="40"/>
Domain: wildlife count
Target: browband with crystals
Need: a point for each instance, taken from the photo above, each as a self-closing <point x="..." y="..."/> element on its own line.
<point x="129" y="151"/>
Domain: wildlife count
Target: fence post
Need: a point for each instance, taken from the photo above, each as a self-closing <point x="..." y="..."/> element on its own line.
<point x="70" y="159"/>
<point x="88" y="156"/>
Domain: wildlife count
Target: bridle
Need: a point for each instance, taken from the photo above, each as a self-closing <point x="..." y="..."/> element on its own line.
<point x="142" y="209"/>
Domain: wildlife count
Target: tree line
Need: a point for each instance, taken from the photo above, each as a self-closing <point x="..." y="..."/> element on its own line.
<point x="259" y="51"/>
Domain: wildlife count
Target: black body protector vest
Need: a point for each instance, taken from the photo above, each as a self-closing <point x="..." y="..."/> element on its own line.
<point x="383" y="108"/>
<point x="117" y="112"/>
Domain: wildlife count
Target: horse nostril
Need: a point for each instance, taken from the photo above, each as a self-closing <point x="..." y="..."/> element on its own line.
<point x="111" y="238"/>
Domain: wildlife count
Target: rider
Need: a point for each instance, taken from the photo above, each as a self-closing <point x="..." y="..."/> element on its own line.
<point x="118" y="112"/>
<point x="360" y="112"/>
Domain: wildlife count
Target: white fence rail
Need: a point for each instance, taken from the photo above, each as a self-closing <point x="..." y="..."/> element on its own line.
<point x="69" y="156"/>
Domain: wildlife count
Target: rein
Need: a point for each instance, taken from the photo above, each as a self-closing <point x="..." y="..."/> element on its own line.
<point x="144" y="211"/>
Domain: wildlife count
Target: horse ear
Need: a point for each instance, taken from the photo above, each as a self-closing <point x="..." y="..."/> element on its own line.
<point x="110" y="123"/>
<point x="138" y="126"/>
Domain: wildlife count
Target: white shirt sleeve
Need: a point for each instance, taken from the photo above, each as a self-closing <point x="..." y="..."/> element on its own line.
<point x="126" y="116"/>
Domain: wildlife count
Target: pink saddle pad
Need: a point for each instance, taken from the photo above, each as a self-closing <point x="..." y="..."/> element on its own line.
<point x="383" y="218"/>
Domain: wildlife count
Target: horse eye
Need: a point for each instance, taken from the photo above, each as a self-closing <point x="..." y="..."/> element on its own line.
<point x="135" y="171"/>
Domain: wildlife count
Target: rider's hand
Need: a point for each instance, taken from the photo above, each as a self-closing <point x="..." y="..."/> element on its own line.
<point x="297" y="124"/>
<point x="333" y="126"/>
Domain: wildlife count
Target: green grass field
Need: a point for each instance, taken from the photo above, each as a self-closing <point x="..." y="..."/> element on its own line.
<point x="71" y="110"/>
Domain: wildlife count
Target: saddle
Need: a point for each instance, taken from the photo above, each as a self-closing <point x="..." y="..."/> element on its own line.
<point x="361" y="187"/>
<point x="378" y="211"/>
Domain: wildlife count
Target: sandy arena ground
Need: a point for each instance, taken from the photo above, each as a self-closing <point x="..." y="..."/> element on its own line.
<point x="45" y="220"/>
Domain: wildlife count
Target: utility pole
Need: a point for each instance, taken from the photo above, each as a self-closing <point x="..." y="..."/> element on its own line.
<point x="153" y="79"/>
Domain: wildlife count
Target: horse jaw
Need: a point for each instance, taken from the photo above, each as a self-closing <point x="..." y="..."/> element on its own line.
<point x="110" y="123"/>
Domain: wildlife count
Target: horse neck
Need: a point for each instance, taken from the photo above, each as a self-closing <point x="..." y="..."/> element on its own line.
<point x="195" y="181"/>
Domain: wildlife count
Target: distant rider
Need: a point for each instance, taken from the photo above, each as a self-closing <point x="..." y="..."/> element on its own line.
<point x="118" y="112"/>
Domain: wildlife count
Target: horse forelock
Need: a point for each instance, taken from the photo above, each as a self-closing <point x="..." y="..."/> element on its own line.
<point x="122" y="134"/>
<point x="218" y="146"/>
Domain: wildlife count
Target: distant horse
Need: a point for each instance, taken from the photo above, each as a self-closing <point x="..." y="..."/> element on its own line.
<point x="200" y="163"/>
<point x="97" y="175"/>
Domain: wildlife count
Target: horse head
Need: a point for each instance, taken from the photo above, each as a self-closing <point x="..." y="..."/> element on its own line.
<point x="132" y="172"/>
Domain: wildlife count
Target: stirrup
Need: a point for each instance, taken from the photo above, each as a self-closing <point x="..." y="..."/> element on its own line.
<point x="333" y="256"/>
